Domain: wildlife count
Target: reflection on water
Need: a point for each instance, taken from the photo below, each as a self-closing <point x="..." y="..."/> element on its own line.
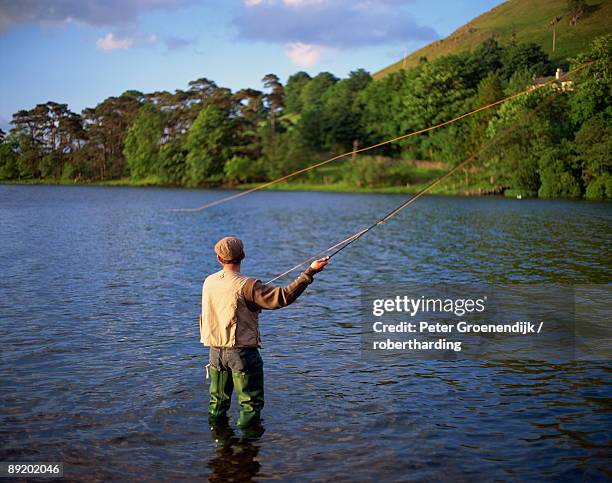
<point x="235" y="457"/>
<point x="101" y="367"/>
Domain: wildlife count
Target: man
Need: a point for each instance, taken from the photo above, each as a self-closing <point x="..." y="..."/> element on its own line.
<point x="229" y="325"/>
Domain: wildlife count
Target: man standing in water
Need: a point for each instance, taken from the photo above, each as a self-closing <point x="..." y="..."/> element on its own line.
<point x="229" y="325"/>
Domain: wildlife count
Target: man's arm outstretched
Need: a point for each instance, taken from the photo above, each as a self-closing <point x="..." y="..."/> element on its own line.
<point x="261" y="296"/>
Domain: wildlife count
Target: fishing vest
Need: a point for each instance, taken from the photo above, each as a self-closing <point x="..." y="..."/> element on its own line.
<point x="226" y="321"/>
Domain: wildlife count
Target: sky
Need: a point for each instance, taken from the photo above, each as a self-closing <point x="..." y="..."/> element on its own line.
<point x="79" y="52"/>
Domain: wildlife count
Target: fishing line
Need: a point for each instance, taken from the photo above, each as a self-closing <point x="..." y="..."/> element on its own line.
<point x="338" y="247"/>
<point x="374" y="146"/>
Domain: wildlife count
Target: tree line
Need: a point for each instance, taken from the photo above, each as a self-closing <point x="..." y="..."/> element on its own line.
<point x="208" y="135"/>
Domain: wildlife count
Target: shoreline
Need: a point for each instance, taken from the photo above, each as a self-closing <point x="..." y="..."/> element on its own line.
<point x="468" y="191"/>
<point x="471" y="191"/>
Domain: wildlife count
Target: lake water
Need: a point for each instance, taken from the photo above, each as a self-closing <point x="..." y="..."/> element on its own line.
<point x="101" y="366"/>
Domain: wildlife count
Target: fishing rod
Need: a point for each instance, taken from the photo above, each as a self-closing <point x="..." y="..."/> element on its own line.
<point x="377" y="145"/>
<point x="338" y="247"/>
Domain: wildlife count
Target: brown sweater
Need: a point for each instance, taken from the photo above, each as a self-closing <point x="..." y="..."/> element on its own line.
<point x="260" y="296"/>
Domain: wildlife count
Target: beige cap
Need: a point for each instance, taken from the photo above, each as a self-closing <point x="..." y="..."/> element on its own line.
<point x="229" y="248"/>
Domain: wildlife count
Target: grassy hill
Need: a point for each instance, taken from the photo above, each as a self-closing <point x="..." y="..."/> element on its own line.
<point x="525" y="21"/>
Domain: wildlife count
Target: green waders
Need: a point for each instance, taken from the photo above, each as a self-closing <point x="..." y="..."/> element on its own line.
<point x="221" y="386"/>
<point x="250" y="390"/>
<point x="241" y="369"/>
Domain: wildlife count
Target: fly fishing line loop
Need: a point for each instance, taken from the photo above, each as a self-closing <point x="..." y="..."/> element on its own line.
<point x="374" y="146"/>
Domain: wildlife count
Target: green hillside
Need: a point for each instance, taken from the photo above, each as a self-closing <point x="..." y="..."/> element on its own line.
<point x="525" y="21"/>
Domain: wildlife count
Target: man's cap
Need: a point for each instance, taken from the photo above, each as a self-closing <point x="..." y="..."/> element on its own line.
<point x="229" y="248"/>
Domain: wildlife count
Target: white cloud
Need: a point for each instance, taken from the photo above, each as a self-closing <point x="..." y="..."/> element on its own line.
<point x="110" y="42"/>
<point x="125" y="39"/>
<point x="304" y="55"/>
<point x="252" y="3"/>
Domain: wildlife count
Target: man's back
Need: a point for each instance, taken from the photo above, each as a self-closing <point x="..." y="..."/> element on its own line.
<point x="226" y="319"/>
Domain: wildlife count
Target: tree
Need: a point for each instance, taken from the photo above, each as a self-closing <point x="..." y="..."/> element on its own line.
<point x="592" y="94"/>
<point x="208" y="144"/>
<point x="172" y="165"/>
<point x="532" y="148"/>
<point x="575" y="9"/>
<point x="381" y="106"/>
<point x="179" y="111"/>
<point x="358" y="80"/>
<point x="142" y="142"/>
<point x="251" y="112"/>
<point x="9" y="167"/>
<point x="106" y="127"/>
<point x="593" y="145"/>
<point x="47" y="136"/>
<point x="312" y="92"/>
<point x="339" y="117"/>
<point x="488" y="57"/>
<point x="313" y="124"/>
<point x="525" y="56"/>
<point x="202" y="88"/>
<point x="559" y="174"/>
<point x="293" y="91"/>
<point x="193" y="99"/>
<point x="289" y="153"/>
<point x="432" y="93"/>
<point x="238" y="169"/>
<point x="462" y="139"/>
<point x="274" y="99"/>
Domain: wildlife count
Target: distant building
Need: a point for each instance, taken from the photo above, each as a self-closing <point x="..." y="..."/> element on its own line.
<point x="562" y="85"/>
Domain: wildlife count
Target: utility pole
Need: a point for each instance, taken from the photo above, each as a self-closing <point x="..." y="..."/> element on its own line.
<point x="355" y="148"/>
<point x="553" y="23"/>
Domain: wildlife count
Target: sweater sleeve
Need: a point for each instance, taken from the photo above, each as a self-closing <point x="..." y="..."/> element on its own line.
<point x="261" y="296"/>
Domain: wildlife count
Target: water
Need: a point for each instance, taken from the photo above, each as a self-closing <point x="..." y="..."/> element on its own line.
<point x="101" y="367"/>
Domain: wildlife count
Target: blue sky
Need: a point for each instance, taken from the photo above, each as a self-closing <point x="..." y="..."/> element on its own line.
<point x="81" y="51"/>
